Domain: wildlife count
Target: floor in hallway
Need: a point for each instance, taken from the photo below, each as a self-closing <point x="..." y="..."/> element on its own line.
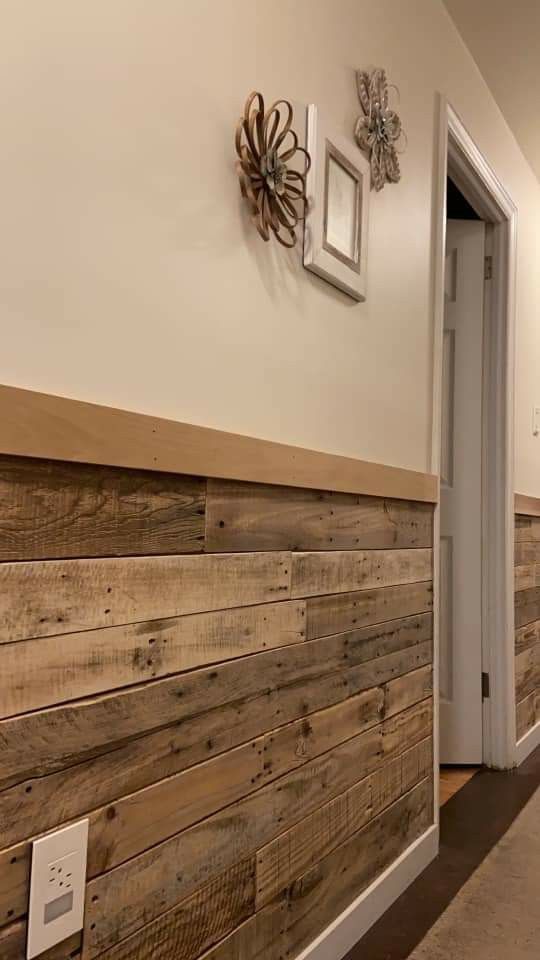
<point x="480" y="899"/>
<point x="453" y="779"/>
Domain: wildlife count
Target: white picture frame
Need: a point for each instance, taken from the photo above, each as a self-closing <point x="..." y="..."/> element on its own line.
<point x="336" y="225"/>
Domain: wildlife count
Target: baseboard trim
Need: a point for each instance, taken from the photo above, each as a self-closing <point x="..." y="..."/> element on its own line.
<point x="341" y="935"/>
<point x="528" y="743"/>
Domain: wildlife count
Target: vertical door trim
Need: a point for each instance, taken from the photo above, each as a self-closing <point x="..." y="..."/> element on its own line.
<point x="458" y="154"/>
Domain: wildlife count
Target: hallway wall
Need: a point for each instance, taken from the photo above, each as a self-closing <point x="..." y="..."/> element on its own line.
<point x="130" y="274"/>
<point x="527" y="622"/>
<point x="232" y="681"/>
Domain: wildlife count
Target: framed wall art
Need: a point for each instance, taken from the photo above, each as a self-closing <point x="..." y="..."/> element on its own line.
<point x="336" y="226"/>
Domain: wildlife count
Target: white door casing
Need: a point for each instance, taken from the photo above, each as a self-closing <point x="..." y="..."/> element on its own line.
<point x="460" y="662"/>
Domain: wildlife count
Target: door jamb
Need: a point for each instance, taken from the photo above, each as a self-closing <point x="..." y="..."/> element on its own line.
<point x="458" y="155"/>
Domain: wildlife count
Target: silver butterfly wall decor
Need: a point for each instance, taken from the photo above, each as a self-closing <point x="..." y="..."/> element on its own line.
<point x="379" y="129"/>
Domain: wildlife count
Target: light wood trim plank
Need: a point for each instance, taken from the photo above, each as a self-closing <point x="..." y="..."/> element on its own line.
<point x="527" y="506"/>
<point x="57" y="428"/>
<point x="246" y="516"/>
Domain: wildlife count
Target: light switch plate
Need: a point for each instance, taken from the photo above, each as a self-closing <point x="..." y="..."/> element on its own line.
<point x="57" y="885"/>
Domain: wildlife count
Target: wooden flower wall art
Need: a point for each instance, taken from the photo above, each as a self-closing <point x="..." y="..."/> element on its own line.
<point x="267" y="147"/>
<point x="378" y="130"/>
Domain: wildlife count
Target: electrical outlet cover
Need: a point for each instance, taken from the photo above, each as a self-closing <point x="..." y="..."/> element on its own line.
<point x="57" y="886"/>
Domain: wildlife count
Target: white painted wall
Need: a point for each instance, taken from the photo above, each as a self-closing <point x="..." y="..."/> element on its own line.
<point x="129" y="274"/>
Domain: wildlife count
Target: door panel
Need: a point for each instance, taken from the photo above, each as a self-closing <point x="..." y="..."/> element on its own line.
<point x="461" y="492"/>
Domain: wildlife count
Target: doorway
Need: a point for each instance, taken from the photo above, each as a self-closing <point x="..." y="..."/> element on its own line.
<point x="472" y="452"/>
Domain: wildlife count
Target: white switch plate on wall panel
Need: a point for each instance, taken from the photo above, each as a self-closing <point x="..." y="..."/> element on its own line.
<point x="57" y="885"/>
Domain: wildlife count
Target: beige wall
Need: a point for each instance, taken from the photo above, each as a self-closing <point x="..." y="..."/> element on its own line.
<point x="129" y="273"/>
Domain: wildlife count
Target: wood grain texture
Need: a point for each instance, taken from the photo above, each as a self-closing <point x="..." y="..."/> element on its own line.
<point x="294" y="852"/>
<point x="527" y="636"/>
<point x="331" y="572"/>
<point x="195" y="924"/>
<point x="54" y="510"/>
<point x="177" y="694"/>
<point x="349" y="611"/>
<point x="405" y="691"/>
<point x="526" y="715"/>
<point x="13" y="945"/>
<point x="41" y="425"/>
<point x="527" y="606"/>
<point x="63" y="596"/>
<point x="287" y="925"/>
<point x="527" y="529"/>
<point x="129" y="825"/>
<point x="527" y="615"/>
<point x="272" y="688"/>
<point x="246" y="516"/>
<point x="143" y="819"/>
<point x="48" y="670"/>
<point x="145" y="886"/>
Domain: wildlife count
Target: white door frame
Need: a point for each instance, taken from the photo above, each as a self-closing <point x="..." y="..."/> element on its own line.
<point x="459" y="157"/>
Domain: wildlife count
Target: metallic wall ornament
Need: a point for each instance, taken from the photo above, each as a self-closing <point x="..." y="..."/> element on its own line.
<point x="266" y="146"/>
<point x="379" y="129"/>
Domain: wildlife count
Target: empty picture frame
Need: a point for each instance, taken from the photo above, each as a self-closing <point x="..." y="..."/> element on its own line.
<point x="336" y="227"/>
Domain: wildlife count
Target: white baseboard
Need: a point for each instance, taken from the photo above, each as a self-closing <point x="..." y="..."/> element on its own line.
<point x="528" y="743"/>
<point x="338" y="938"/>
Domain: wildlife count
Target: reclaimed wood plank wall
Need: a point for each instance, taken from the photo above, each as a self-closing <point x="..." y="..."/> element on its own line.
<point x="233" y="681"/>
<point x="527" y="617"/>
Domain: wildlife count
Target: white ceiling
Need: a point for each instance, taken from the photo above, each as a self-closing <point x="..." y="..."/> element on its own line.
<point x="504" y="39"/>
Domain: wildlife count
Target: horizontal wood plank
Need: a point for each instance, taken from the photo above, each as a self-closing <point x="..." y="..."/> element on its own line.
<point x="405" y="691"/>
<point x="63" y="596"/>
<point x="54" y="510"/>
<point x="290" y="682"/>
<point x="41" y="425"/>
<point x="48" y="670"/>
<point x="526" y="715"/>
<point x="529" y="506"/>
<point x="331" y="572"/>
<point x="129" y="825"/>
<point x="145" y="886"/>
<point x="526" y="551"/>
<point x="246" y="516"/>
<point x="287" y="925"/>
<point x="330" y="886"/>
<point x="527" y="606"/>
<point x="196" y="923"/>
<point x="527" y="636"/>
<point x="527" y="529"/>
<point x="349" y="611"/>
<point x="145" y="818"/>
<point x="293" y="853"/>
<point x="527" y="672"/>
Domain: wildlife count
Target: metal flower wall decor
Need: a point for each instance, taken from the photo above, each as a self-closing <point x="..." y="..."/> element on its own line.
<point x="266" y="146"/>
<point x="379" y="129"/>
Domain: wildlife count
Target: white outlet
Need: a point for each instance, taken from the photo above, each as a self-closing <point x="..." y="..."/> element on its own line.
<point x="57" y="884"/>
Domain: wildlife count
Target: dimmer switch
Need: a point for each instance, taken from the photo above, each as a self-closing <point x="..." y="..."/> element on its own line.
<point x="57" y="884"/>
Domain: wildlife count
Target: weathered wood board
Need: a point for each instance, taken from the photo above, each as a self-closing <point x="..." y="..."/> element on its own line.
<point x="233" y="682"/>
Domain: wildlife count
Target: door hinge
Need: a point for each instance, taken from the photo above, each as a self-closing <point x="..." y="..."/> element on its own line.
<point x="485" y="686"/>
<point x="488" y="268"/>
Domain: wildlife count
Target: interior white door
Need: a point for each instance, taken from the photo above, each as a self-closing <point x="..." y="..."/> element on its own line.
<point x="461" y="496"/>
